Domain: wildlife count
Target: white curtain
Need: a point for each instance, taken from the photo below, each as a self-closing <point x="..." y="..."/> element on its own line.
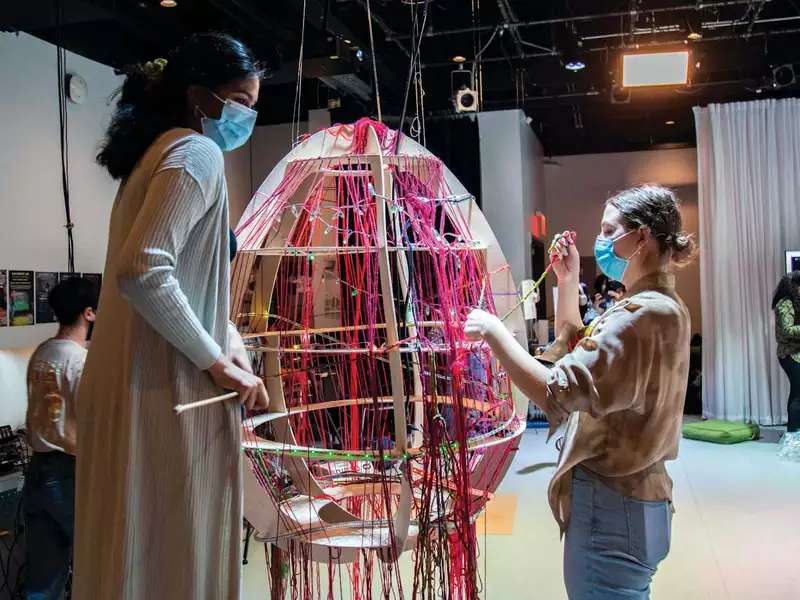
<point x="748" y="157"/>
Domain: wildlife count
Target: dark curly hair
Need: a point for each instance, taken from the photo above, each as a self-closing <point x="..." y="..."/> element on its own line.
<point x="153" y="97"/>
<point x="656" y="208"/>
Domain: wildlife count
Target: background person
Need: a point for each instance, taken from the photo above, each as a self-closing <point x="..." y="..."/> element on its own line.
<point x="54" y="372"/>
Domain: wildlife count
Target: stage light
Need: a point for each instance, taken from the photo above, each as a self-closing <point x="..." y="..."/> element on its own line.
<point x="619" y="95"/>
<point x="575" y="65"/>
<point x="694" y="24"/>
<point x="783" y="76"/>
<point x="662" y="68"/>
<point x="169" y="3"/>
<point x="571" y="55"/>
<point x="466" y="101"/>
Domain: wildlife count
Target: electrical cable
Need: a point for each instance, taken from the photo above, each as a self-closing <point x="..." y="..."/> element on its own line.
<point x="297" y="107"/>
<point x="414" y="70"/>
<point x="61" y="70"/>
<point x="374" y="63"/>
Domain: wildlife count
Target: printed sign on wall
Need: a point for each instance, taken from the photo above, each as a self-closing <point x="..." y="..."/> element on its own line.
<point x="45" y="282"/>
<point x="95" y="278"/>
<point x="63" y="276"/>
<point x="3" y="297"/>
<point x="20" y="298"/>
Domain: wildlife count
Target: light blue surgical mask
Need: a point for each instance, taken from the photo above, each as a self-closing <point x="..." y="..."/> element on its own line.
<point x="234" y="126"/>
<point x="610" y="264"/>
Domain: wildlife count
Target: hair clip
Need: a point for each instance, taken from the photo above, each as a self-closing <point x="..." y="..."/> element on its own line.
<point x="154" y="68"/>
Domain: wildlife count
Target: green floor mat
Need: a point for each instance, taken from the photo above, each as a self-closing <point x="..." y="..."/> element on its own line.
<point x="720" y="432"/>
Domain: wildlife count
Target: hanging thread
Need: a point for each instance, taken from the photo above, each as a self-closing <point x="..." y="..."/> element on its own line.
<point x="374" y="64"/>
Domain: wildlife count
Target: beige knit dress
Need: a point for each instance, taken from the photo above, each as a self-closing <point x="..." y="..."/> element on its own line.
<point x="158" y="501"/>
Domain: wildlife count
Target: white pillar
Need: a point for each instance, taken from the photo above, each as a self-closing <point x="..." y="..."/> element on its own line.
<point x="512" y="183"/>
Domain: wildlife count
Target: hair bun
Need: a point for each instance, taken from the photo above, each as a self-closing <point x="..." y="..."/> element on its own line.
<point x="684" y="249"/>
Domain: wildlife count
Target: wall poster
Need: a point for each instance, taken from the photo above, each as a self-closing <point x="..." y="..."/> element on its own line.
<point x="62" y="276"/>
<point x="95" y="278"/>
<point x="20" y="298"/>
<point x="3" y="298"/>
<point x="45" y="281"/>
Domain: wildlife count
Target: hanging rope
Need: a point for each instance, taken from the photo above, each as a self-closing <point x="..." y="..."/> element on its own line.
<point x="297" y="108"/>
<point x="417" y="127"/>
<point x="61" y="69"/>
<point x="374" y="64"/>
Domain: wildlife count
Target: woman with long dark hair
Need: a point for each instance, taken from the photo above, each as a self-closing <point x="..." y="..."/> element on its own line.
<point x="786" y="304"/>
<point x="159" y="506"/>
<point x="621" y="393"/>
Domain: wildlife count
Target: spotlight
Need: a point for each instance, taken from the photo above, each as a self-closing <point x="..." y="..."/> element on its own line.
<point x="575" y="65"/>
<point x="571" y="58"/>
<point x="694" y="23"/>
<point x="466" y="101"/>
<point x="620" y="95"/>
<point x="783" y="76"/>
<point x="570" y="45"/>
<point x="458" y="59"/>
<point x="462" y="88"/>
<point x="169" y="3"/>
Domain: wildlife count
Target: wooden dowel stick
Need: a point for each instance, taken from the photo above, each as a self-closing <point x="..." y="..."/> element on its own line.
<point x="179" y="408"/>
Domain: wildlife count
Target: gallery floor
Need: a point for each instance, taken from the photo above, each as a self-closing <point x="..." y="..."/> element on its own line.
<point x="736" y="533"/>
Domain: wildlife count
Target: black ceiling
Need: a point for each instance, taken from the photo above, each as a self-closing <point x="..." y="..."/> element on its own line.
<point x="525" y="43"/>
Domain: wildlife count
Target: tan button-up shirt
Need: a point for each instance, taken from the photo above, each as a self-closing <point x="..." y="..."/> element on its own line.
<point x="621" y="391"/>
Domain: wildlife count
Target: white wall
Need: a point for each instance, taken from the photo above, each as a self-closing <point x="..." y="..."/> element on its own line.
<point x="32" y="234"/>
<point x="577" y="186"/>
<point x="512" y="183"/>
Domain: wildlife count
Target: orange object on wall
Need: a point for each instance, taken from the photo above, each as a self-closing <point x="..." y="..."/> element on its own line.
<point x="538" y="225"/>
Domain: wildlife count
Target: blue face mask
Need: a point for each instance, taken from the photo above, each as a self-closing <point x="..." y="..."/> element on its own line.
<point x="610" y="264"/>
<point x="234" y="126"/>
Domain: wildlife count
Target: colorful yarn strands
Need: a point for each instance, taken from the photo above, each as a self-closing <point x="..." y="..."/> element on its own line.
<point x="387" y="431"/>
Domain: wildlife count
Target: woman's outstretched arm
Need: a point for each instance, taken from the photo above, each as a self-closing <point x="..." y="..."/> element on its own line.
<point x="527" y="373"/>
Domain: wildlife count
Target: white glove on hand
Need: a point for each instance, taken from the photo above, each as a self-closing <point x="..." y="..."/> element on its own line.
<point x="480" y="324"/>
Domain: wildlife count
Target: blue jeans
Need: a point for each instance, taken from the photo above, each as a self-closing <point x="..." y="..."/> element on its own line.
<point x="613" y="543"/>
<point x="49" y="504"/>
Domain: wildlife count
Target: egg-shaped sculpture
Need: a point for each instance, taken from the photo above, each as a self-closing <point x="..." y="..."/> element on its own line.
<point x="359" y="259"/>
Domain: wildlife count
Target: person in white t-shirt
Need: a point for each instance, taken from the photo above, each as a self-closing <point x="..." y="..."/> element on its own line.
<point x="54" y="373"/>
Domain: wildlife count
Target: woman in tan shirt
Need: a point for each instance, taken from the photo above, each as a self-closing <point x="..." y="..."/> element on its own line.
<point x="620" y="392"/>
